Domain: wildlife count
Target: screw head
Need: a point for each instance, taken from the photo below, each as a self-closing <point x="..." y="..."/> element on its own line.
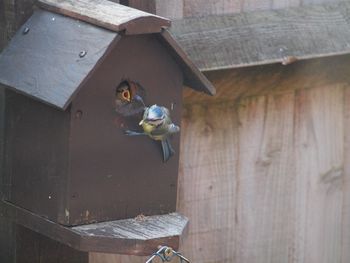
<point x="25" y="30"/>
<point x="78" y="114"/>
<point x="82" y="54"/>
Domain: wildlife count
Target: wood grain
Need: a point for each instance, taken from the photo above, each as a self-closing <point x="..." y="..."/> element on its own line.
<point x="7" y="240"/>
<point x="2" y="139"/>
<point x="277" y="36"/>
<point x="192" y="76"/>
<point x="32" y="247"/>
<point x="12" y="15"/>
<point x="109" y="15"/>
<point x="129" y="237"/>
<point x="264" y="176"/>
<point x="172" y="9"/>
<point x="346" y="181"/>
<point x="56" y="56"/>
<point x="261" y="80"/>
<point x="278" y="177"/>
<point x="198" y="8"/>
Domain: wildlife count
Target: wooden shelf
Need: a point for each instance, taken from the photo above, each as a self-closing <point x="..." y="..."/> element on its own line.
<point x="128" y="236"/>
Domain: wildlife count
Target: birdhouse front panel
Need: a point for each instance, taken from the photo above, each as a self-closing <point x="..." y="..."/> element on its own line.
<point x="114" y="176"/>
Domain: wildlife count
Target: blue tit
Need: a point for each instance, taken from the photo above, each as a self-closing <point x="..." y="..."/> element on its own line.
<point x="128" y="100"/>
<point x="157" y="124"/>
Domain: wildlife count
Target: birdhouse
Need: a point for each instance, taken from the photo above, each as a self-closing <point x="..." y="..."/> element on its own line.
<point x="77" y="77"/>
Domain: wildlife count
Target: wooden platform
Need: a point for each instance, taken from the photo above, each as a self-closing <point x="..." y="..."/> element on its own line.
<point x="137" y="236"/>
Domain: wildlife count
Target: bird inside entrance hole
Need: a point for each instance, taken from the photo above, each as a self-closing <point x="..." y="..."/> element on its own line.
<point x="157" y="124"/>
<point x="129" y="98"/>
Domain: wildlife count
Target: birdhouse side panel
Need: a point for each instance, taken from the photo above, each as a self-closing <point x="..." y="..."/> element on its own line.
<point x="114" y="176"/>
<point x="36" y="156"/>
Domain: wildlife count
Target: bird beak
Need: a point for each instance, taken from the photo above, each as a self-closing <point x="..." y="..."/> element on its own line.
<point x="141" y="122"/>
<point x="126" y="95"/>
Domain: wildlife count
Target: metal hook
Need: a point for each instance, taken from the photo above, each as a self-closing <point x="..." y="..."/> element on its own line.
<point x="166" y="254"/>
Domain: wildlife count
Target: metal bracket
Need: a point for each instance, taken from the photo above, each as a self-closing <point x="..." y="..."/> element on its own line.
<point x="166" y="254"/>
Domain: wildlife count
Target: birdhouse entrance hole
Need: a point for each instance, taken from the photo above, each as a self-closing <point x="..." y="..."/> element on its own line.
<point x="129" y="96"/>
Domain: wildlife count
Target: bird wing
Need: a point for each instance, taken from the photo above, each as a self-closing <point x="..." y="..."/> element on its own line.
<point x="166" y="111"/>
<point x="158" y="132"/>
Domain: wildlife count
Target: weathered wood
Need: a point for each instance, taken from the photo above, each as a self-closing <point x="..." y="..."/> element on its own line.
<point x="147" y="6"/>
<point x="109" y="15"/>
<point x="192" y="76"/>
<point x="2" y="138"/>
<point x="7" y="240"/>
<point x="36" y="145"/>
<point x="231" y="41"/>
<point x="32" y="247"/>
<point x="198" y="8"/>
<point x="177" y="9"/>
<point x="262" y="207"/>
<point x="13" y="13"/>
<point x="169" y="8"/>
<point x="114" y="258"/>
<point x="172" y="9"/>
<point x="59" y="61"/>
<point x="55" y="55"/>
<point x="345" y="243"/>
<point x="139" y="236"/>
<point x="272" y="79"/>
<point x="261" y="166"/>
<point x="100" y="153"/>
<point x="319" y="150"/>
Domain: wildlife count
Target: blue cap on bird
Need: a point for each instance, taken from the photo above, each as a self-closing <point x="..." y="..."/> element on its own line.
<point x="155" y="113"/>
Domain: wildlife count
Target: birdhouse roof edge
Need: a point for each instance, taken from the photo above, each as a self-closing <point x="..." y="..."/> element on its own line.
<point x="108" y="15"/>
<point x="228" y="41"/>
<point x="193" y="77"/>
<point x="53" y="71"/>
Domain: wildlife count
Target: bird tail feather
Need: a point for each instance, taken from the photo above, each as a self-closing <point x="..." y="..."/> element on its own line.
<point x="168" y="150"/>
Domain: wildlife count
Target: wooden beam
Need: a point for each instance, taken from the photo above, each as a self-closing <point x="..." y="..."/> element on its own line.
<point x="108" y="15"/>
<point x="277" y="36"/>
<point x="139" y="236"/>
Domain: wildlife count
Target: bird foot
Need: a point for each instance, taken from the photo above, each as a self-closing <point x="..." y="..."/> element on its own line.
<point x="133" y="133"/>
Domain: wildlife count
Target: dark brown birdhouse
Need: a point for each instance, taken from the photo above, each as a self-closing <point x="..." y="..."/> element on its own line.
<point x="71" y="73"/>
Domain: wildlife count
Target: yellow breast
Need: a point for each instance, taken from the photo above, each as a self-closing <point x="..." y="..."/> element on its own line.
<point x="148" y="128"/>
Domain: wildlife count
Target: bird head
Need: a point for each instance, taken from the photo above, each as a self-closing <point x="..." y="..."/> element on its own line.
<point x="153" y="115"/>
<point x="128" y="99"/>
<point x="124" y="92"/>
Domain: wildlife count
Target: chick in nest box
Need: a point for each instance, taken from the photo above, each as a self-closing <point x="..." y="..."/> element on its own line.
<point x="128" y="99"/>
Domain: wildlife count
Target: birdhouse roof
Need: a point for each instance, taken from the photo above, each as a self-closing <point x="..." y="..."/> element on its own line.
<point x="108" y="15"/>
<point x="263" y="37"/>
<point x="55" y="52"/>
